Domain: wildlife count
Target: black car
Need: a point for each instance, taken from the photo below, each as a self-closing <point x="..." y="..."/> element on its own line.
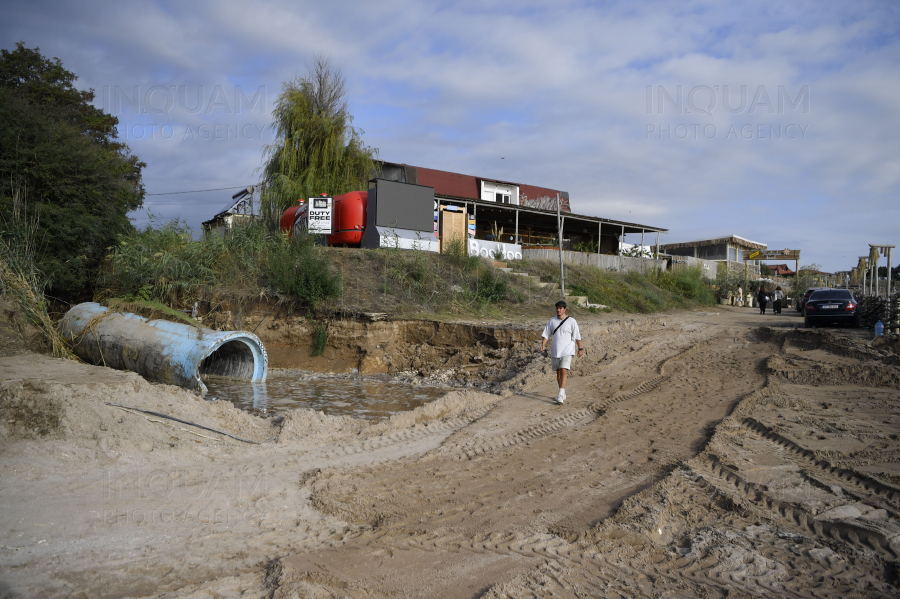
<point x="801" y="301"/>
<point x="831" y="306"/>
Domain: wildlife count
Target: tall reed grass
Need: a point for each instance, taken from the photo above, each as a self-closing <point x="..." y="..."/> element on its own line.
<point x="21" y="281"/>
<point x="167" y="264"/>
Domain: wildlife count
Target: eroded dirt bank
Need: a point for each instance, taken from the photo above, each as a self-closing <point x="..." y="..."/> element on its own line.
<point x="375" y="346"/>
<point x="698" y="455"/>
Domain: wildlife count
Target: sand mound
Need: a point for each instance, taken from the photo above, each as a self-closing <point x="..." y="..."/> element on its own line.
<point x="309" y="425"/>
<point x="68" y="402"/>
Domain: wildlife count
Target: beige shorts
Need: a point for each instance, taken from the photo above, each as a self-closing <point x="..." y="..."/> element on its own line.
<point x="563" y="362"/>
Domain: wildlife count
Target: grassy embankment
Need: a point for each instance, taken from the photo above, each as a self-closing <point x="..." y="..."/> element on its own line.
<point x="654" y="291"/>
<point x="166" y="271"/>
<point x="249" y="264"/>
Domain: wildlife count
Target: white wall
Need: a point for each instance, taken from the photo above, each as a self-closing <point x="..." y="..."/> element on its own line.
<point x="601" y="261"/>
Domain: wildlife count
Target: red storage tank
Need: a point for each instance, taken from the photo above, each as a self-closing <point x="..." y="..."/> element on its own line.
<point x="349" y="219"/>
<point x="290" y="216"/>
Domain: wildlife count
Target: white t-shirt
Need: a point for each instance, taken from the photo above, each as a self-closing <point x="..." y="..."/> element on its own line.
<point x="563" y="342"/>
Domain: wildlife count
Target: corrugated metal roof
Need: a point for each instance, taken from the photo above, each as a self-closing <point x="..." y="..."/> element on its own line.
<point x="469" y="187"/>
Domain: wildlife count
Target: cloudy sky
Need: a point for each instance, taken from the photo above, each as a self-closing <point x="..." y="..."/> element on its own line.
<point x="777" y="122"/>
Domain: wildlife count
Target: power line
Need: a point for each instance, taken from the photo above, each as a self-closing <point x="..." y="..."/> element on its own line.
<point x="152" y="203"/>
<point x="172" y="193"/>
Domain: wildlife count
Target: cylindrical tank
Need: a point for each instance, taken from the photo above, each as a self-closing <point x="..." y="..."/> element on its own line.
<point x="289" y="218"/>
<point x="349" y="218"/>
<point x="163" y="351"/>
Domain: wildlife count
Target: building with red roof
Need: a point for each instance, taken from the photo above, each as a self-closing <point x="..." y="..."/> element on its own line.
<point x="781" y="270"/>
<point x="517" y="213"/>
<point x="456" y="186"/>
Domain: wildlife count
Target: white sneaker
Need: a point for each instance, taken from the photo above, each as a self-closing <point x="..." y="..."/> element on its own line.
<point x="561" y="397"/>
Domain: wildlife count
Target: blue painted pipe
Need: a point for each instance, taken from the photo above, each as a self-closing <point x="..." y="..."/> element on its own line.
<point x="162" y="351"/>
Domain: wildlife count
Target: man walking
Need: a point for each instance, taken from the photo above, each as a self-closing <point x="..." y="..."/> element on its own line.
<point x="563" y="334"/>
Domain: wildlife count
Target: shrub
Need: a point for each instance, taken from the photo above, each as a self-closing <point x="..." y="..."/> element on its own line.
<point x="301" y="270"/>
<point x="688" y="283"/>
<point x="169" y="265"/>
<point x="492" y="285"/>
<point x="164" y="264"/>
<point x="456" y="251"/>
<point x="320" y="340"/>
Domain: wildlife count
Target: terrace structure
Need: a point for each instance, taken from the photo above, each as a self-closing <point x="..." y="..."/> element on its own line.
<point x="491" y="211"/>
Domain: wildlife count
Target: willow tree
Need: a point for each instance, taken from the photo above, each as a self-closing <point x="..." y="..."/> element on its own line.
<point x="317" y="148"/>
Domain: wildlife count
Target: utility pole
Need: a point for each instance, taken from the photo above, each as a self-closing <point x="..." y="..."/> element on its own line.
<point x="562" y="274"/>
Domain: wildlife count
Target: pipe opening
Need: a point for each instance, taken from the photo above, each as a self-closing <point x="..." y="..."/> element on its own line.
<point x="232" y="359"/>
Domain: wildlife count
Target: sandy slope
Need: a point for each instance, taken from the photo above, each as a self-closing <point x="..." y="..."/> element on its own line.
<point x="698" y="455"/>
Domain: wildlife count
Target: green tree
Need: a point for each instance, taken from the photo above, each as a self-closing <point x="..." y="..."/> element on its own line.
<point x="883" y="271"/>
<point x="80" y="181"/>
<point x="317" y="149"/>
<point x="806" y="278"/>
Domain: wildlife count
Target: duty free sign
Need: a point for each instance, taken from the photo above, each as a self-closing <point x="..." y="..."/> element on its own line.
<point x="320" y="213"/>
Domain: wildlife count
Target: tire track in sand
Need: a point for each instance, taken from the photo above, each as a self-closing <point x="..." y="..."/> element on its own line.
<point x="869" y="538"/>
<point x="404" y="436"/>
<point x="861" y="481"/>
<point x="471" y="449"/>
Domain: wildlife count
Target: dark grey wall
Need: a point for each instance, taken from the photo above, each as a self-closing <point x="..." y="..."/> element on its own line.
<point x="371" y="238"/>
<point x="689" y="251"/>
<point x="393" y="172"/>
<point x="404" y="206"/>
<point x="402" y="173"/>
<point x="718" y="251"/>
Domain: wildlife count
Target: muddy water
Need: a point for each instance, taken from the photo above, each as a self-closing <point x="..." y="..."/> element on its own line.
<point x="371" y="398"/>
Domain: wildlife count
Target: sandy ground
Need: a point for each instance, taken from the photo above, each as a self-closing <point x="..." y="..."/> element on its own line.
<point x="700" y="454"/>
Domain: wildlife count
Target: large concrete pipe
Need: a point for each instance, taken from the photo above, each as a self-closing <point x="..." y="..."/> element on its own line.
<point x="160" y="350"/>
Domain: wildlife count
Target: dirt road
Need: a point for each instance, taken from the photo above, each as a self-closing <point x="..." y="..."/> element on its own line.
<point x="699" y="454"/>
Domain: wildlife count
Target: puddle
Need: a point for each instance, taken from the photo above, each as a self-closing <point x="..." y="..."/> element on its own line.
<point x="371" y="398"/>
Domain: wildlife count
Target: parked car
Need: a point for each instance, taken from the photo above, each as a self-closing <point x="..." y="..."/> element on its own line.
<point x="831" y="306"/>
<point x="801" y="301"/>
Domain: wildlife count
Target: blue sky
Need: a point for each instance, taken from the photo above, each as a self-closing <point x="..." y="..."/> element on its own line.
<point x="804" y="155"/>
